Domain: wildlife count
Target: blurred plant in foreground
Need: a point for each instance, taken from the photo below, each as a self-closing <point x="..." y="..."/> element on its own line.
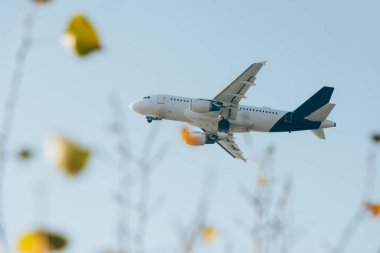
<point x="209" y="234"/>
<point x="374" y="209"/>
<point x="376" y="138"/>
<point x="67" y="154"/>
<point x="25" y="154"/>
<point x="81" y="36"/>
<point x="271" y="213"/>
<point x="41" y="241"/>
<point x="41" y="1"/>
<point x="366" y="204"/>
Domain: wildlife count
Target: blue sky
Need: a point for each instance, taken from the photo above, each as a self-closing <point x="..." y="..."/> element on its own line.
<point x="195" y="49"/>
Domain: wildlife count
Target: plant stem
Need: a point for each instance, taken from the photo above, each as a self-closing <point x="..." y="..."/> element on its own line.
<point x="9" y="108"/>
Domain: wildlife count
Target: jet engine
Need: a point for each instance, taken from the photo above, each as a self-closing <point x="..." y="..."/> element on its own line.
<point x="196" y="138"/>
<point x="203" y="105"/>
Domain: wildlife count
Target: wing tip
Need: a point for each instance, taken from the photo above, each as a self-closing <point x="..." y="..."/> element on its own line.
<point x="263" y="62"/>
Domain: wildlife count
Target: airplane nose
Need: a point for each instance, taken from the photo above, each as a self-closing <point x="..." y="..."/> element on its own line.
<point x="136" y="106"/>
<point x="133" y="106"/>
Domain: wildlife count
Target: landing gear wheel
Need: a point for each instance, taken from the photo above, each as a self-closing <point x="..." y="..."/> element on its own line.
<point x="149" y="119"/>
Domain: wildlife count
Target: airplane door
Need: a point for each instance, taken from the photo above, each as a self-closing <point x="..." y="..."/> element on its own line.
<point x="288" y="117"/>
<point x="161" y="99"/>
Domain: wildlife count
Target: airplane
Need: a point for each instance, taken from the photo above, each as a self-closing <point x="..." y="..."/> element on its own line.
<point x="221" y="117"/>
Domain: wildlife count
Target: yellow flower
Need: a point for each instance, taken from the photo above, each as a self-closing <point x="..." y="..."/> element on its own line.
<point x="68" y="155"/>
<point x="374" y="209"/>
<point x="209" y="234"/>
<point x="262" y="181"/>
<point x="41" y="241"/>
<point x="81" y="36"/>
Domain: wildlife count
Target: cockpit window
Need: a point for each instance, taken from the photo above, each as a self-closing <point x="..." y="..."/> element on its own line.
<point x="147" y="97"/>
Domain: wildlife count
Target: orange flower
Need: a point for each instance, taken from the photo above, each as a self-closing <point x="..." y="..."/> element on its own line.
<point x="374" y="208"/>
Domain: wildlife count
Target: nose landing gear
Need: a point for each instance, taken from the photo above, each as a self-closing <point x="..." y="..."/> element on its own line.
<point x="149" y="119"/>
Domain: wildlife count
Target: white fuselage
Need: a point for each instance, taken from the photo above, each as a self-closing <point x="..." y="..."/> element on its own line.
<point x="248" y="118"/>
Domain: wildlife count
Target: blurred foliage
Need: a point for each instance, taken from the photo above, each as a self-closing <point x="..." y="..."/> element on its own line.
<point x="376" y="138"/>
<point x="374" y="209"/>
<point x="41" y="241"/>
<point x="262" y="181"/>
<point x="81" y="36"/>
<point x="41" y="1"/>
<point x="113" y="251"/>
<point x="68" y="155"/>
<point x="24" y="154"/>
<point x="271" y="214"/>
<point x="209" y="234"/>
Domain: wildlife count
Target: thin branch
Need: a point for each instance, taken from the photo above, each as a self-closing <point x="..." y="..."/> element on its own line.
<point x="357" y="219"/>
<point x="10" y="105"/>
<point x="369" y="183"/>
<point x="125" y="176"/>
<point x="189" y="240"/>
<point x="349" y="231"/>
<point x="145" y="168"/>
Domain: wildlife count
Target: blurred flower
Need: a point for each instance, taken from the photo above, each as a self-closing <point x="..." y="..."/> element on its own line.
<point x="41" y="241"/>
<point x="81" y="36"/>
<point x="209" y="234"/>
<point x="113" y="252"/>
<point x="67" y="154"/>
<point x="374" y="209"/>
<point x="376" y="138"/>
<point x="193" y="139"/>
<point x="262" y="181"/>
<point x="24" y="154"/>
<point x="41" y="1"/>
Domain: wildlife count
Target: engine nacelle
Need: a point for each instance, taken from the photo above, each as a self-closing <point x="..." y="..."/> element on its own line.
<point x="196" y="138"/>
<point x="203" y="105"/>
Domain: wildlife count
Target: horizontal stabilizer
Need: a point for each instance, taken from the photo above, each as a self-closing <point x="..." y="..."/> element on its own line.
<point x="322" y="113"/>
<point x="319" y="133"/>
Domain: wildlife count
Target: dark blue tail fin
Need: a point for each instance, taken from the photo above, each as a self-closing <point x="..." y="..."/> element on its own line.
<point x="318" y="100"/>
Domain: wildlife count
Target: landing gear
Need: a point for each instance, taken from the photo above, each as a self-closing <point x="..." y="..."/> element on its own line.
<point x="224" y="126"/>
<point x="150" y="118"/>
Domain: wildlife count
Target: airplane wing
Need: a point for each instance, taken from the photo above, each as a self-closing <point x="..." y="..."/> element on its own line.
<point x="233" y="93"/>
<point x="229" y="145"/>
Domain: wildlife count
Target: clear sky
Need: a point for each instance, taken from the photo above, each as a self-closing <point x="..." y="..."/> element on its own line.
<point x="195" y="48"/>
